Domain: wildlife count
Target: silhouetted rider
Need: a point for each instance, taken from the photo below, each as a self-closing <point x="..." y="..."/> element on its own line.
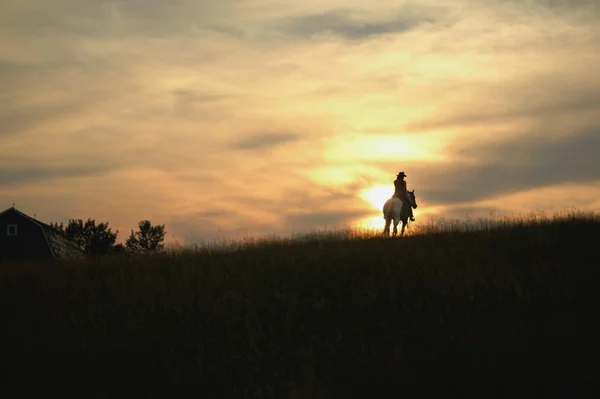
<point x="401" y="192"/>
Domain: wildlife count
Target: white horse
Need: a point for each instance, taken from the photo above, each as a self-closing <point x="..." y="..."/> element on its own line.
<point x="393" y="209"/>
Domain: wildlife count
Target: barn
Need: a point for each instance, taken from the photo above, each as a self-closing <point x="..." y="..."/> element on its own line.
<point x="23" y="237"/>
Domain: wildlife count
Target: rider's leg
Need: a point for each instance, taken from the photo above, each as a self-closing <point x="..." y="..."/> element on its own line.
<point x="410" y="209"/>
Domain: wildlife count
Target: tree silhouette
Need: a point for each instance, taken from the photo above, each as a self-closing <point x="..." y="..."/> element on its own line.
<point x="118" y="248"/>
<point x="91" y="238"/>
<point x="147" y="238"/>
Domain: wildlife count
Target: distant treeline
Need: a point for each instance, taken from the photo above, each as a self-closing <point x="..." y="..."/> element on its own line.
<point x="99" y="239"/>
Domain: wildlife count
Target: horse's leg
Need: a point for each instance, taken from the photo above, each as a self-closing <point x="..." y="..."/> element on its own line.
<point x="386" y="229"/>
<point x="397" y="216"/>
<point x="403" y="227"/>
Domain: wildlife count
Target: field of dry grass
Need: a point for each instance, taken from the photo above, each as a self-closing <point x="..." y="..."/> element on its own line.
<point x="509" y="303"/>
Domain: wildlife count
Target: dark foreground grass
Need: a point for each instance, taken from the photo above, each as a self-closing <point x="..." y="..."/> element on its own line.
<point x="506" y="312"/>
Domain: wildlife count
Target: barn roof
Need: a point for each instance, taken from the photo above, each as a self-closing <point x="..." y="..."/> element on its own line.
<point x="60" y="245"/>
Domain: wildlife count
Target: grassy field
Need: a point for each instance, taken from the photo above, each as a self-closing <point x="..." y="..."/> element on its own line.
<point x="496" y="309"/>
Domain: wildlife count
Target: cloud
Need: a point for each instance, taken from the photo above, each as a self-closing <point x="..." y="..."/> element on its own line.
<point x="331" y="219"/>
<point x="114" y="19"/>
<point x="209" y="227"/>
<point x="16" y="121"/>
<point x="561" y="5"/>
<point x="473" y="212"/>
<point x="353" y="25"/>
<point x="40" y="174"/>
<point x="200" y="228"/>
<point x="212" y="214"/>
<point x="189" y="96"/>
<point x="560" y="198"/>
<point x="259" y="141"/>
<point x="255" y="213"/>
<point x="527" y="162"/>
<point x="550" y="97"/>
<point x="227" y="30"/>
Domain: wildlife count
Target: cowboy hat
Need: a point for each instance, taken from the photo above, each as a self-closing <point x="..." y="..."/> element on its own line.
<point x="402" y="174"/>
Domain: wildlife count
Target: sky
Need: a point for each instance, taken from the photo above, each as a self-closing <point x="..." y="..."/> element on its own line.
<point x="231" y="118"/>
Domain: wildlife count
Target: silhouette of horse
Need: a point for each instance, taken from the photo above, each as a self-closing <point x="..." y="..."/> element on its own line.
<point x="393" y="210"/>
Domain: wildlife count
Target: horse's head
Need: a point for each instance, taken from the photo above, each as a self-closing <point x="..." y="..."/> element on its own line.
<point x="413" y="198"/>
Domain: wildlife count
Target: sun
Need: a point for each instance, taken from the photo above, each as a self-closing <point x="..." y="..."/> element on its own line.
<point x="377" y="195"/>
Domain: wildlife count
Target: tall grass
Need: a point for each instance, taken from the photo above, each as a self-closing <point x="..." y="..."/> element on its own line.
<point x="336" y="314"/>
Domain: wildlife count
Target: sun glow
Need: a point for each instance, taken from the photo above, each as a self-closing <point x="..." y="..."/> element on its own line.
<point x="427" y="146"/>
<point x="377" y="195"/>
<point x="375" y="222"/>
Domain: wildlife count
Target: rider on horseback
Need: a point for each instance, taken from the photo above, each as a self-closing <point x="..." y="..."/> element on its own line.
<point x="401" y="193"/>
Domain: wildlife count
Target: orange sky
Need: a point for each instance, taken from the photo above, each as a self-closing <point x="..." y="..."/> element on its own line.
<point x="229" y="118"/>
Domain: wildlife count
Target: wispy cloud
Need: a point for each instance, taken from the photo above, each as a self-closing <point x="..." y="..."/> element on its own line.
<point x="257" y="141"/>
<point x="355" y="25"/>
<point x="45" y="173"/>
